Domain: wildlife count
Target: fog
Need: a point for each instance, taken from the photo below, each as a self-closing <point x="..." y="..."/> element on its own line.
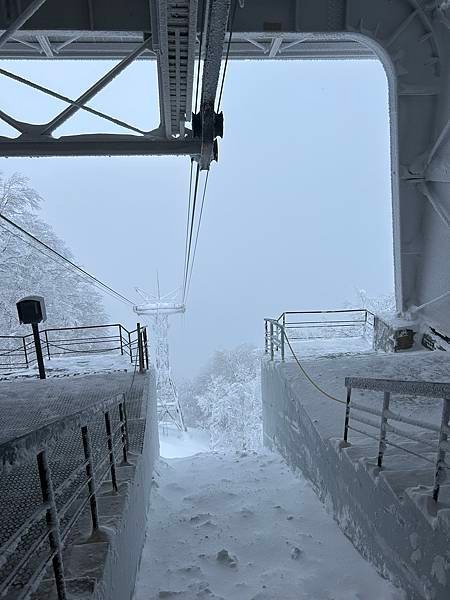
<point x="298" y="209"/>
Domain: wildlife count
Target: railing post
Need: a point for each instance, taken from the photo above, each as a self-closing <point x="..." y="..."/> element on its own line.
<point x="271" y="339"/>
<point x="129" y="346"/>
<point x="47" y="344"/>
<point x="90" y="472"/>
<point x="266" y="337"/>
<point x="38" y="348"/>
<point x="383" y="428"/>
<point x="144" y="332"/>
<point x="123" y="432"/>
<point x="120" y="337"/>
<point x="140" y="348"/>
<point x="25" y="352"/>
<point x="48" y="497"/>
<point x="347" y="414"/>
<point x="112" y="459"/>
<point x="282" y="333"/>
<point x="443" y="438"/>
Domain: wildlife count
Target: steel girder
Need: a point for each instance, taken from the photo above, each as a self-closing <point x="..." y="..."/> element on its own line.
<point x="410" y="37"/>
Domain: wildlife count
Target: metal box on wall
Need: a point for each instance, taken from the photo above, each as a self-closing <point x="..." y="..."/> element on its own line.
<point x="31" y="309"/>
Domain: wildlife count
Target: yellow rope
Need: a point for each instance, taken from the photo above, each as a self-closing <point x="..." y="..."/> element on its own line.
<point x="308" y="377"/>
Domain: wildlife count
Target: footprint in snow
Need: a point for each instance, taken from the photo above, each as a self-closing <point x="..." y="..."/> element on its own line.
<point x="200" y="517"/>
<point x="174" y="487"/>
<point x="193" y="570"/>
<point x="225" y="558"/>
<point x="246" y="512"/>
<point x="202" y="591"/>
<point x="207" y="525"/>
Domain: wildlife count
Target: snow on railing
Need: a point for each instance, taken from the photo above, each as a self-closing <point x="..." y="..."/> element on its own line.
<point x="18" y="352"/>
<point x="440" y="446"/>
<point x="94" y="440"/>
<point x="315" y="324"/>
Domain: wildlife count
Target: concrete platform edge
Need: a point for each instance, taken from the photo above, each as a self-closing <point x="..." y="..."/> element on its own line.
<point x="386" y="531"/>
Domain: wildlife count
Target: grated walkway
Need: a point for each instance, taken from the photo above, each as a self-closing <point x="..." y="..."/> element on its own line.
<point x="26" y="405"/>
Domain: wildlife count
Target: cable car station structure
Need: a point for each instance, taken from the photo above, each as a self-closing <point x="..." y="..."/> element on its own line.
<point x="192" y="42"/>
<point x="410" y="37"/>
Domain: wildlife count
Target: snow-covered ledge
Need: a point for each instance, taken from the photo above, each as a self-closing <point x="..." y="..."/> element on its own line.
<point x="406" y="543"/>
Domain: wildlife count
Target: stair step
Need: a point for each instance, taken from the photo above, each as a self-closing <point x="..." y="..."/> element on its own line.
<point x="359" y="451"/>
<point x="400" y="481"/>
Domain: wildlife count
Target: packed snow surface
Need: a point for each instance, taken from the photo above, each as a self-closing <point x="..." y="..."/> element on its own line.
<point x="243" y="527"/>
<point x="174" y="443"/>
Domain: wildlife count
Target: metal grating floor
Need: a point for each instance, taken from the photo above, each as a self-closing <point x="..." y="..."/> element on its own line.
<point x="27" y="405"/>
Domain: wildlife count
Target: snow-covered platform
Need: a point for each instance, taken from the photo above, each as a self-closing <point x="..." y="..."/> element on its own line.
<point x="28" y="404"/>
<point x="389" y="514"/>
<point x="331" y="369"/>
<point x="241" y="526"/>
<point x="103" y="568"/>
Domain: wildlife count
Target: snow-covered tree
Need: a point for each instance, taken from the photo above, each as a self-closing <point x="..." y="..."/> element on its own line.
<point x="225" y="399"/>
<point x="26" y="270"/>
<point x="377" y="304"/>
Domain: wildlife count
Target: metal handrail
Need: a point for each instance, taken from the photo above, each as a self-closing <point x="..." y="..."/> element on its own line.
<point x="276" y="330"/>
<point x="384" y="427"/>
<point x="23" y="356"/>
<point x="38" y="443"/>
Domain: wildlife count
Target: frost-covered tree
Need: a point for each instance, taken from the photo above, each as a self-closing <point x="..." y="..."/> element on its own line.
<point x="25" y="270"/>
<point x="225" y="399"/>
<point x="377" y="304"/>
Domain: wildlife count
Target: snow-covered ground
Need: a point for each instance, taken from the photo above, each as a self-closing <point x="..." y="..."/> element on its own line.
<point x="174" y="443"/>
<point x="243" y="527"/>
<point x="315" y="347"/>
<point x="63" y="366"/>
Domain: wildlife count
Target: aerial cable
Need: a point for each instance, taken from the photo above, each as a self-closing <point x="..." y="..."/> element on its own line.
<point x="227" y="56"/>
<point x="198" y="231"/>
<point x="191" y="229"/>
<point x="189" y="263"/>
<point x="61" y="257"/>
<point x="190" y="217"/>
<point x="68" y="267"/>
<point x="187" y="227"/>
<point x="51" y="257"/>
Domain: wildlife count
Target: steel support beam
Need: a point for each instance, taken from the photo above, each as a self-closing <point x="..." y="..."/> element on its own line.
<point x="176" y="27"/>
<point x="23" y="17"/>
<point x="99" y="145"/>
<point x="215" y="37"/>
<point x="94" y="89"/>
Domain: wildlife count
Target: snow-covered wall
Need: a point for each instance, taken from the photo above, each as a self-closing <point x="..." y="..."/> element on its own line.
<point x="107" y="562"/>
<point x="123" y="559"/>
<point x="394" y="535"/>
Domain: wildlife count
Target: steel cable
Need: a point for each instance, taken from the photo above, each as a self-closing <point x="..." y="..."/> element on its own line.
<point x="51" y="253"/>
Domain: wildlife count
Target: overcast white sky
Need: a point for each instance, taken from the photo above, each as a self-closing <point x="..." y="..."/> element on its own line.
<point x="298" y="211"/>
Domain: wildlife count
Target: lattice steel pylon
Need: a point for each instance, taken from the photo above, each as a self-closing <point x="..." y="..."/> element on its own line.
<point x="158" y="310"/>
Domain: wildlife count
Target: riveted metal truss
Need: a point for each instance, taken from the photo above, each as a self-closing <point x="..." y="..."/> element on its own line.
<point x="410" y="37"/>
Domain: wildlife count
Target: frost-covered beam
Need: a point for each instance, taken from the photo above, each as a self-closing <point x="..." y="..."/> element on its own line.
<point x="99" y="145"/>
<point x="20" y="20"/>
<point x="217" y="19"/>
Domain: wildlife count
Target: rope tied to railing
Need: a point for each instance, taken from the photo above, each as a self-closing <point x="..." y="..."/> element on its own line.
<point x="306" y="374"/>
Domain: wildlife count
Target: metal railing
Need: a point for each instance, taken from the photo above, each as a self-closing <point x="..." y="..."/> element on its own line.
<point x="314" y="324"/>
<point x="35" y="549"/>
<point x="387" y="434"/>
<point x="384" y="430"/>
<point x="18" y="352"/>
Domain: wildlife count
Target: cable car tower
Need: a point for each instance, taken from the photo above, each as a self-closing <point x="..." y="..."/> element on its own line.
<point x="159" y="309"/>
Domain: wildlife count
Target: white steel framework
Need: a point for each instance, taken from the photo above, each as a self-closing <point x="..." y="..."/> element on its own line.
<point x="159" y="310"/>
<point x="410" y="37"/>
